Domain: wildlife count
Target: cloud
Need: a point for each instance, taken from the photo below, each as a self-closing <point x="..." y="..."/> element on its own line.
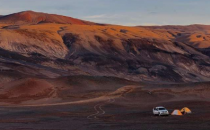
<point x="149" y="24"/>
<point x="95" y="16"/>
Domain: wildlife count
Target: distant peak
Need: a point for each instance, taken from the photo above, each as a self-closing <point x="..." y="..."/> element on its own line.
<point x="27" y="11"/>
<point x="32" y="17"/>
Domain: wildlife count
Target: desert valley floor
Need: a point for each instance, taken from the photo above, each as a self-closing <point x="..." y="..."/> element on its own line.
<point x="114" y="116"/>
<point x="127" y="106"/>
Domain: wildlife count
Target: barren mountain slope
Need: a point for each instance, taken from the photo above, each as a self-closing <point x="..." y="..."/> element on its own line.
<point x="154" y="54"/>
<point x="195" y="35"/>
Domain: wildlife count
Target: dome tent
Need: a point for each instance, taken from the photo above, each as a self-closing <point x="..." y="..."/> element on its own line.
<point x="186" y="110"/>
<point x="176" y="113"/>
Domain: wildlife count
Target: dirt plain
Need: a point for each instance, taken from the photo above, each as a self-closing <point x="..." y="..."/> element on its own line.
<point x="124" y="105"/>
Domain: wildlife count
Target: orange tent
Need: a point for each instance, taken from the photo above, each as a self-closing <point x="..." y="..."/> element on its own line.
<point x="176" y="113"/>
<point x="186" y="110"/>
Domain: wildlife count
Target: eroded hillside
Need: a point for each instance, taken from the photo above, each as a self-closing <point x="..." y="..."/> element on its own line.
<point x="155" y="54"/>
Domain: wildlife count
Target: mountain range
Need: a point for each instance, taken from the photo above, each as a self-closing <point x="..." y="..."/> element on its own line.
<point x="40" y="45"/>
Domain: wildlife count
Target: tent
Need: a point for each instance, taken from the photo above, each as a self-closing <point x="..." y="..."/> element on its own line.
<point x="176" y="113"/>
<point x="186" y="110"/>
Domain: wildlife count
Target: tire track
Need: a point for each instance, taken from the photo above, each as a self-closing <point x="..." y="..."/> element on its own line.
<point x="99" y="109"/>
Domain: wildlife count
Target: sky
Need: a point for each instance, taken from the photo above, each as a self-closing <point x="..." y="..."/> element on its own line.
<point x="122" y="12"/>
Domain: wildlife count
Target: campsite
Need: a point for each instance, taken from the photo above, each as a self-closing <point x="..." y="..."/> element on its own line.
<point x="122" y="105"/>
<point x="118" y="115"/>
<point x="125" y="108"/>
<point x="181" y="112"/>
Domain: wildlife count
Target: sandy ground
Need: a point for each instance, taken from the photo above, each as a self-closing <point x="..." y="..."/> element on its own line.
<point x="102" y="104"/>
<point x="105" y="115"/>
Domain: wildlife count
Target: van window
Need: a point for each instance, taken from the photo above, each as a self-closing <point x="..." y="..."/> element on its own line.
<point x="162" y="109"/>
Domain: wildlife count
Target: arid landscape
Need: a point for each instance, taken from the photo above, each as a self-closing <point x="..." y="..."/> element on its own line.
<point x="62" y="73"/>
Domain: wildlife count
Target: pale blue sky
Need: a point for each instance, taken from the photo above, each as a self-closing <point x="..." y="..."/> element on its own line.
<point x="124" y="12"/>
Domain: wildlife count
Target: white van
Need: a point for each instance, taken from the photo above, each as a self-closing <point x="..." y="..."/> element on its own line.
<point x="161" y="111"/>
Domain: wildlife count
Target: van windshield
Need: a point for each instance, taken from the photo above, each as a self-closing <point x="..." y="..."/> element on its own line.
<point x="161" y="109"/>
